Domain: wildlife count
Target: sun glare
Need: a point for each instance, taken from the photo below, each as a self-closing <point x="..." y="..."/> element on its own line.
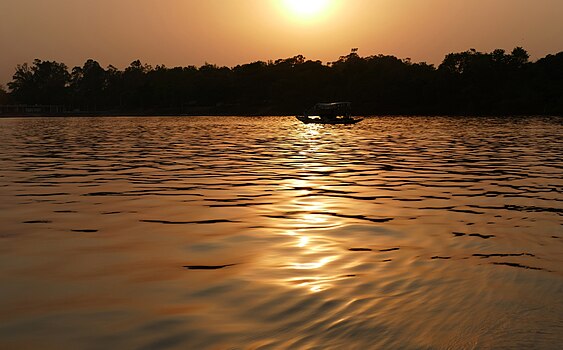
<point x="307" y="8"/>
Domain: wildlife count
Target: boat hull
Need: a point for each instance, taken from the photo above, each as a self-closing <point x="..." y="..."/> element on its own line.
<point x="345" y="121"/>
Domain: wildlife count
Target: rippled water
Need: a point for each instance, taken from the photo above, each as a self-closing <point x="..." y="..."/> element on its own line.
<point x="264" y="233"/>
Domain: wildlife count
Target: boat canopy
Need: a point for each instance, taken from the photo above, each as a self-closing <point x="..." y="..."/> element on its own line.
<point x="333" y="106"/>
<point x="331" y="109"/>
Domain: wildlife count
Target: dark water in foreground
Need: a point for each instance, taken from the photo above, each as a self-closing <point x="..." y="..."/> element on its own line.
<point x="249" y="233"/>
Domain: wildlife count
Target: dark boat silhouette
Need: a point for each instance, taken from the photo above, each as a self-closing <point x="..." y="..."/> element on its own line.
<point x="329" y="113"/>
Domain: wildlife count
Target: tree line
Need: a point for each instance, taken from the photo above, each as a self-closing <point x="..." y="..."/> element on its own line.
<point x="469" y="82"/>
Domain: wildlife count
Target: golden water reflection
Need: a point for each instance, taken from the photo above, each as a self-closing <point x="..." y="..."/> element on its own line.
<point x="313" y="265"/>
<point x="263" y="233"/>
<point x="313" y="255"/>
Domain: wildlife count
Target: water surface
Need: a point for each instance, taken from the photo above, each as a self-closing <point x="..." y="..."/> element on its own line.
<point x="264" y="233"/>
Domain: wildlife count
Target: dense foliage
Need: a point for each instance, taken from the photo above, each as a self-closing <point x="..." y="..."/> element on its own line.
<point x="468" y="82"/>
<point x="4" y="97"/>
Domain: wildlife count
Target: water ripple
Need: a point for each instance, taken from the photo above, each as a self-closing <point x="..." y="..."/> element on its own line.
<point x="264" y="233"/>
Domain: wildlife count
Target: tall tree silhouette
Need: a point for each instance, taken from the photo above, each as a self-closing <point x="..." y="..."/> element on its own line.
<point x="88" y="85"/>
<point x="4" y="97"/>
<point x="44" y="82"/>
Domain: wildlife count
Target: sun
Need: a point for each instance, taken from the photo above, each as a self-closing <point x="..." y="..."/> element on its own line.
<point x="307" y="8"/>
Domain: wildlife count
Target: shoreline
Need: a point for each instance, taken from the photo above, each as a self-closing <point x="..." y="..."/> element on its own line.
<point x="367" y="115"/>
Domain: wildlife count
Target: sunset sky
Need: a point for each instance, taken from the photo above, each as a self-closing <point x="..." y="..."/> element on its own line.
<point x="230" y="32"/>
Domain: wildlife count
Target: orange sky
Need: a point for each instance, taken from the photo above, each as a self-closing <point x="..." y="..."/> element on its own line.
<point x="229" y="32"/>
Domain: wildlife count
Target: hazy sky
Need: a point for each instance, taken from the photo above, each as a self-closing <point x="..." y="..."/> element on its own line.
<point x="229" y="32"/>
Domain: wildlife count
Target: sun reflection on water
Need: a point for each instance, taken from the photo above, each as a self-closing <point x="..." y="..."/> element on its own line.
<point x="314" y="218"/>
<point x="398" y="233"/>
<point x="313" y="265"/>
<point x="313" y="285"/>
<point x="306" y="265"/>
<point x="303" y="241"/>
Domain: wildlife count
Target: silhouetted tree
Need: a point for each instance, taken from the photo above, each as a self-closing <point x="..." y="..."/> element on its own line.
<point x="114" y="88"/>
<point x="22" y="85"/>
<point x="253" y="83"/>
<point x="213" y="85"/>
<point x="44" y="82"/>
<point x="470" y="82"/>
<point x="519" y="57"/>
<point x="546" y="79"/>
<point x="88" y="85"/>
<point x="133" y="85"/>
<point x="4" y="97"/>
<point x="496" y="82"/>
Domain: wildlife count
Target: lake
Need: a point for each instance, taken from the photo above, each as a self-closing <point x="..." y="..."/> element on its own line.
<point x="265" y="233"/>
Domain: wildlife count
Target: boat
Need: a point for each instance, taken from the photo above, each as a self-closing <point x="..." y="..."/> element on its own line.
<point x="329" y="113"/>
